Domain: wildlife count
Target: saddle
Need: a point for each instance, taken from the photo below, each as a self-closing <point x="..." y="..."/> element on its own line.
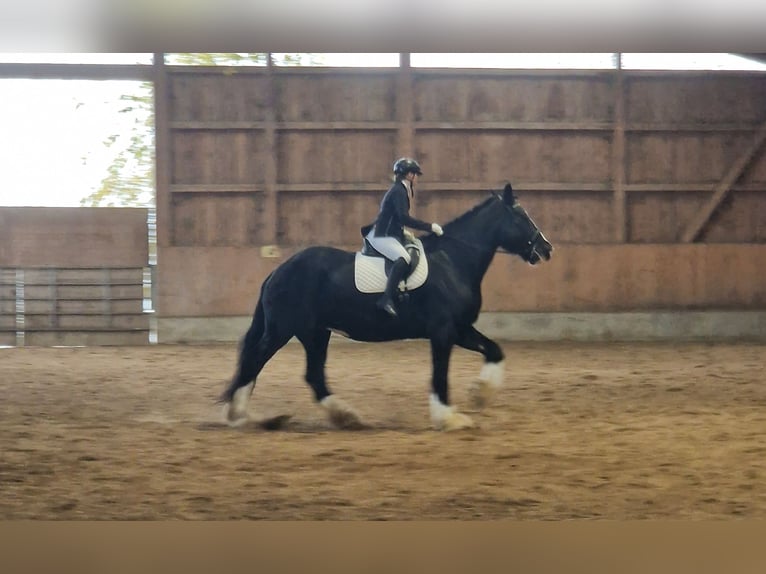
<point x="371" y="268"/>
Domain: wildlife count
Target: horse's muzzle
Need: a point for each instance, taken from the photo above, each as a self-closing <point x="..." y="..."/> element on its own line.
<point x="539" y="248"/>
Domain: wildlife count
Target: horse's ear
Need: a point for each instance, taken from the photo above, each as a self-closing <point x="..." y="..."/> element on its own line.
<point x="508" y="196"/>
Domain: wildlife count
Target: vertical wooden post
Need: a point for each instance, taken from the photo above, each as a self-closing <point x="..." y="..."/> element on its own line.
<point x="271" y="201"/>
<point x="162" y="162"/>
<point x="618" y="155"/>
<point x="404" y="113"/>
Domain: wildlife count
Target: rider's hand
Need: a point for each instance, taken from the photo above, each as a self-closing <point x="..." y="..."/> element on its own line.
<point x="437" y="229"/>
<point x="409" y="236"/>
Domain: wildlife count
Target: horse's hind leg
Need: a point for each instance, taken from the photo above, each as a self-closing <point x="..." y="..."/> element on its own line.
<point x="253" y="356"/>
<point x="341" y="414"/>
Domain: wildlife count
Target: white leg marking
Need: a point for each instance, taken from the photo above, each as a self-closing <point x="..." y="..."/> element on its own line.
<point x="236" y="411"/>
<point x="444" y="417"/>
<point x="490" y="379"/>
<point x="341" y="414"/>
<point x="493" y="373"/>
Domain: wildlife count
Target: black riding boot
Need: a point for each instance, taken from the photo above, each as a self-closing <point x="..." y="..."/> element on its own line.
<point x="398" y="271"/>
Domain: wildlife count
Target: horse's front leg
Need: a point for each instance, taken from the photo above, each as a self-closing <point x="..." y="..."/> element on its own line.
<point x="444" y="416"/>
<point x="491" y="375"/>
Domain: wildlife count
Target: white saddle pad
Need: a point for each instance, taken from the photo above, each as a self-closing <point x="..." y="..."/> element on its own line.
<point x="370" y="274"/>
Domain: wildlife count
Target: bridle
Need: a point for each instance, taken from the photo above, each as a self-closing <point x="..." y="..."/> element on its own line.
<point x="530" y="247"/>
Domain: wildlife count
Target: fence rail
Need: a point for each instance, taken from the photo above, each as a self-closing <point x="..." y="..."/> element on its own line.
<point x="74" y="306"/>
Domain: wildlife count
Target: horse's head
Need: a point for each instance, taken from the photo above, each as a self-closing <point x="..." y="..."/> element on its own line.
<point x="520" y="235"/>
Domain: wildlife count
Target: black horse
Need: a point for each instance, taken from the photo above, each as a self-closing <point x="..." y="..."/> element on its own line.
<point x="313" y="293"/>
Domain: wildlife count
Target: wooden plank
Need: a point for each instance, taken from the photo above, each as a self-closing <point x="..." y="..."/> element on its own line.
<point x="102" y="276"/>
<point x="217" y="157"/>
<point x="377" y="187"/>
<point x="628" y="277"/>
<point x="73" y="237"/>
<point x="686" y="127"/>
<point x="76" y="71"/>
<point x="432" y="125"/>
<point x="85" y="322"/>
<point x="512" y="126"/>
<point x="342" y="158"/>
<point x="8" y="307"/>
<point x="8" y="292"/>
<point x="86" y="338"/>
<point x="216" y="125"/>
<point x="8" y="338"/>
<point x="599" y="277"/>
<point x="337" y="126"/>
<point x="512" y="73"/>
<point x="697" y="101"/>
<point x="283" y="126"/>
<point x="217" y="188"/>
<point x="7" y="276"/>
<point x="693" y="187"/>
<point x="702" y="217"/>
<point x="83" y="292"/>
<point x="7" y="321"/>
<point x="84" y="307"/>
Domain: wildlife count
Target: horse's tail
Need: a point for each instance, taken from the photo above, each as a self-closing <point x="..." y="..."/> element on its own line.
<point x="251" y="338"/>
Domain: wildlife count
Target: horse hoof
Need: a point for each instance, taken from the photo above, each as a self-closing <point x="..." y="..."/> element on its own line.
<point x="236" y="423"/>
<point x="234" y="419"/>
<point x="458" y="421"/>
<point x="341" y="414"/>
<point x="346" y="421"/>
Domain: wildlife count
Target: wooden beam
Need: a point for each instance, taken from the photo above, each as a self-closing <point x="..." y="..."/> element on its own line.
<point x="163" y="154"/>
<point x="405" y="107"/>
<point x="76" y="71"/>
<point x="377" y="186"/>
<point x="693" y="128"/>
<point x="702" y="217"/>
<point x="689" y="187"/>
<point x="271" y="205"/>
<point x="461" y="125"/>
<point x="618" y="155"/>
<point x="283" y="126"/>
<point x="217" y="188"/>
<point x="514" y="126"/>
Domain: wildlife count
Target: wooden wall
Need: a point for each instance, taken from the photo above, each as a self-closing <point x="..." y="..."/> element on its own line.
<point x="73" y="276"/>
<point x="651" y="185"/>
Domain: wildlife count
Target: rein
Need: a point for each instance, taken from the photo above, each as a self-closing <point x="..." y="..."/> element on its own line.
<point x="530" y="244"/>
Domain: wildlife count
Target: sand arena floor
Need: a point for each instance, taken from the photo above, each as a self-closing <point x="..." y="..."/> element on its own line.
<point x="579" y="431"/>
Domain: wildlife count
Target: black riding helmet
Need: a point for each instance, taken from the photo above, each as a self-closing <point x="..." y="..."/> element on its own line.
<point x="405" y="165"/>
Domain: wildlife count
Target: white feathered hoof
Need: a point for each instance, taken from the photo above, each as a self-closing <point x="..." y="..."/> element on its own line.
<point x="235" y="412"/>
<point x="233" y="418"/>
<point x="446" y="418"/>
<point x="483" y="390"/>
<point x="341" y="415"/>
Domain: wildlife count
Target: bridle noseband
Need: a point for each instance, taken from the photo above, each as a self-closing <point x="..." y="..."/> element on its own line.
<point x="531" y="244"/>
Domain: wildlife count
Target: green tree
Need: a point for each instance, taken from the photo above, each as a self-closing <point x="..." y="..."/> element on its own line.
<point x="129" y="181"/>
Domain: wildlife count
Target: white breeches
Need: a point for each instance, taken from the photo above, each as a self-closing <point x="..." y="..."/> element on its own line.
<point x="388" y="246"/>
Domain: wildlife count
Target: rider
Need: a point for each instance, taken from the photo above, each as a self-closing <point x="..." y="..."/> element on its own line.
<point x="387" y="236"/>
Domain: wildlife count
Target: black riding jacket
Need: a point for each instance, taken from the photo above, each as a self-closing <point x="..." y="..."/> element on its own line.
<point x="394" y="214"/>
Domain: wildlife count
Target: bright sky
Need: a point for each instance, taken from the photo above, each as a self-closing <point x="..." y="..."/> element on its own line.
<point x="51" y="143"/>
